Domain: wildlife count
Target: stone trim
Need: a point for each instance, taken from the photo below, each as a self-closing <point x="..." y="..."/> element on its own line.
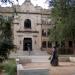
<point x="27" y="13"/>
<point x="16" y="23"/>
<point x="28" y="31"/>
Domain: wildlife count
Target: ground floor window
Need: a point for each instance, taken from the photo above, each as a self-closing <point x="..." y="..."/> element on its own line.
<point x="44" y="44"/>
<point x="62" y="44"/>
<point x="70" y="44"/>
<point x="49" y="44"/>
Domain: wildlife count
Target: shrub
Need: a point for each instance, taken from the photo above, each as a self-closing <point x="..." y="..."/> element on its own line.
<point x="8" y="67"/>
<point x="11" y="70"/>
<point x="1" y="67"/>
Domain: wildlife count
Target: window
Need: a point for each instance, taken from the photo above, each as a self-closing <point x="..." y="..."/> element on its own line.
<point x="57" y="44"/>
<point x="48" y="32"/>
<point x="27" y="23"/>
<point x="44" y="44"/>
<point x="43" y="32"/>
<point x="70" y="44"/>
<point x="49" y="44"/>
<point x="62" y="43"/>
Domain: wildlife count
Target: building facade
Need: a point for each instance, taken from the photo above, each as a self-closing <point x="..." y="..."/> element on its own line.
<point x="31" y="26"/>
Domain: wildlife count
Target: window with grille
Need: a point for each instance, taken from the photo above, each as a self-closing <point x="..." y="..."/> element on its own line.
<point x="70" y="44"/>
<point x="43" y="32"/>
<point x="44" y="44"/>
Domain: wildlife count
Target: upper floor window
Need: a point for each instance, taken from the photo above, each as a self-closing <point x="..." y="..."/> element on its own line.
<point x="43" y="32"/>
<point x="27" y="23"/>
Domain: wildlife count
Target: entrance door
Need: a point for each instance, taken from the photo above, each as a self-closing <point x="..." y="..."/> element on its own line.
<point x="27" y="44"/>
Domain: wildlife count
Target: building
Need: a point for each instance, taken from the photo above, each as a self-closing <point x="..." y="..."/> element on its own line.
<point x="30" y="26"/>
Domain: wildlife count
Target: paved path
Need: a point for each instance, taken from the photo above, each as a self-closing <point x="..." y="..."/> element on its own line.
<point x="64" y="68"/>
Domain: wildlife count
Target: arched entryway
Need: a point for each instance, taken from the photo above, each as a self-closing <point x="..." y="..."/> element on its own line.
<point x="27" y="44"/>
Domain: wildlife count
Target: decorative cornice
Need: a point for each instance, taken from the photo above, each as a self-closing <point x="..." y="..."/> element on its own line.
<point x="27" y="31"/>
<point x="27" y="13"/>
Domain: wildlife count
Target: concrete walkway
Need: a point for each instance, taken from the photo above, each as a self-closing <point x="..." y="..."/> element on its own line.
<point x="64" y="68"/>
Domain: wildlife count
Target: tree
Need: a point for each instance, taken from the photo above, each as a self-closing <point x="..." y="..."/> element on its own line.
<point x="63" y="16"/>
<point x="6" y="40"/>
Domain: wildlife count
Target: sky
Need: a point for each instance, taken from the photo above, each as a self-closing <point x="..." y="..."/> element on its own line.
<point x="41" y="3"/>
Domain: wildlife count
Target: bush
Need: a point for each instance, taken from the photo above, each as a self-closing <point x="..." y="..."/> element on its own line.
<point x="11" y="69"/>
<point x="1" y="67"/>
<point x="8" y="67"/>
<point x="1" y="59"/>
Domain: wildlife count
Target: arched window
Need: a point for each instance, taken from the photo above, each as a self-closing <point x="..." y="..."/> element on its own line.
<point x="27" y="23"/>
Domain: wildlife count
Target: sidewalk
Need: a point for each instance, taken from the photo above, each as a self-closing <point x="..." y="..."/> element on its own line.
<point x="64" y="68"/>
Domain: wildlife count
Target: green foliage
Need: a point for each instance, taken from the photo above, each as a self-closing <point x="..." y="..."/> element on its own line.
<point x="6" y="43"/>
<point x="1" y="67"/>
<point x="63" y="16"/>
<point x="9" y="67"/>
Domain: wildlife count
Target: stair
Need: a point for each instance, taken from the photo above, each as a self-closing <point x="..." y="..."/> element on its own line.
<point x="26" y="53"/>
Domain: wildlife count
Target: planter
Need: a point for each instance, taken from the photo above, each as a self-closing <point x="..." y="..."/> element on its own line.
<point x="72" y="59"/>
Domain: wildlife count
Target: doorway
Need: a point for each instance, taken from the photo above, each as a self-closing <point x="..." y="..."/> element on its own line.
<point x="27" y="44"/>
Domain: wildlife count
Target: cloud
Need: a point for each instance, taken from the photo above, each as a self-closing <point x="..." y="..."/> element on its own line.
<point x="41" y="3"/>
<point x="37" y="2"/>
